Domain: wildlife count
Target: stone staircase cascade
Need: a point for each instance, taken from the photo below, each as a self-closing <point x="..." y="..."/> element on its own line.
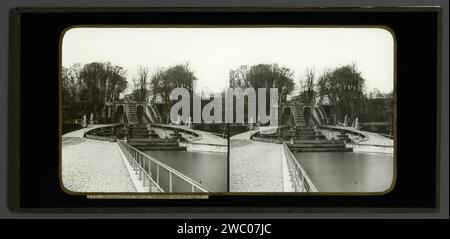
<point x="152" y="112"/>
<point x="299" y="118"/>
<point x="149" y="114"/>
<point x="315" y="120"/>
<point x="318" y="119"/>
<point x="156" y="113"/>
<point x="323" y="114"/>
<point x="130" y="109"/>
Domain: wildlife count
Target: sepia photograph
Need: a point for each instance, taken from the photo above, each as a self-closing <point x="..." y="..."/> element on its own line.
<point x="227" y="109"/>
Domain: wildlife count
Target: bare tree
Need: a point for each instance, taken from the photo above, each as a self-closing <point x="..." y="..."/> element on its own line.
<point x="307" y="92"/>
<point x="140" y="91"/>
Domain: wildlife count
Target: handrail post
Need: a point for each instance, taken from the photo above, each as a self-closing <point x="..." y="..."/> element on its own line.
<point x="157" y="174"/>
<point x="170" y="181"/>
<point x="140" y="173"/>
<point x="150" y="168"/>
<point x="143" y="164"/>
<point x="132" y="157"/>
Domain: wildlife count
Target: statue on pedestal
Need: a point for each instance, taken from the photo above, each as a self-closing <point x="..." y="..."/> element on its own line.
<point x="84" y="121"/>
<point x="91" y="121"/>
<point x="178" y="120"/>
<point x="189" y="122"/>
<point x="356" y="123"/>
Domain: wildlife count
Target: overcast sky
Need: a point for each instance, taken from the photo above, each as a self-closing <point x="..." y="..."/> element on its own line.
<point x="213" y="52"/>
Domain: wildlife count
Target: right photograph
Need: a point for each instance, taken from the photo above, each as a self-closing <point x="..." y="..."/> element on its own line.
<point x="314" y="112"/>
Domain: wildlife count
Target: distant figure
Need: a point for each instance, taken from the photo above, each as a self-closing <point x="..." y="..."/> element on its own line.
<point x="345" y="120"/>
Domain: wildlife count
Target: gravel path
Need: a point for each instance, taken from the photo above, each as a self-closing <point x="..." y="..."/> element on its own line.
<point x="255" y="166"/>
<point x="93" y="166"/>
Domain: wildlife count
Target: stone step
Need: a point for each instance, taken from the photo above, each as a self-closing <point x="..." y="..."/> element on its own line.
<point x="305" y="129"/>
<point x="298" y="138"/>
<point x="306" y="133"/>
<point x="153" y="144"/>
<point x="318" y="141"/>
<point x="160" y="148"/>
<point x="330" y="149"/>
<point x="321" y="145"/>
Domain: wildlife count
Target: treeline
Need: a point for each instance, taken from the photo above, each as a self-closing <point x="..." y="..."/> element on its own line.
<point x="164" y="80"/>
<point x="264" y="76"/>
<point x="344" y="90"/>
<point x="343" y="87"/>
<point x="85" y="88"/>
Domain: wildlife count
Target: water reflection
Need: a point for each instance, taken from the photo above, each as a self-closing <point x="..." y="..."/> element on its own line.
<point x="349" y="171"/>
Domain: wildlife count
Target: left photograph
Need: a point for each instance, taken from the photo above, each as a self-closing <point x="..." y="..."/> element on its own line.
<point x="120" y="131"/>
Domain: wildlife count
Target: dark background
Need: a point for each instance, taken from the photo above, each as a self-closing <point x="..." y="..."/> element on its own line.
<point x="34" y="104"/>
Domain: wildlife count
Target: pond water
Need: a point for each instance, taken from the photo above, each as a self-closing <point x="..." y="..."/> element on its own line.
<point x="348" y="171"/>
<point x="207" y="168"/>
